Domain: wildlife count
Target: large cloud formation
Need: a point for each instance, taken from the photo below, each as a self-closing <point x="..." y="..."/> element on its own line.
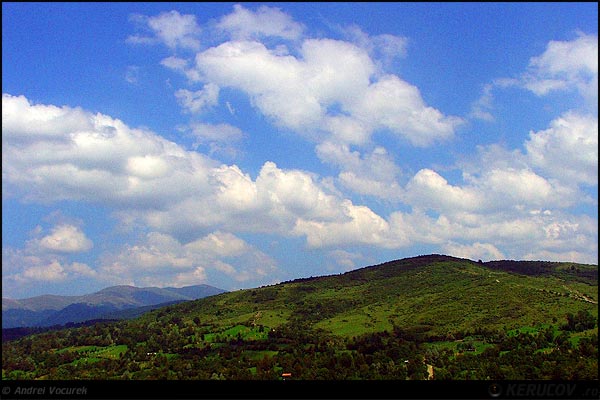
<point x="515" y="203"/>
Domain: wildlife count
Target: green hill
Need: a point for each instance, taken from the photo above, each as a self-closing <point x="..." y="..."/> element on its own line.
<point x="403" y="319"/>
<point x="438" y="293"/>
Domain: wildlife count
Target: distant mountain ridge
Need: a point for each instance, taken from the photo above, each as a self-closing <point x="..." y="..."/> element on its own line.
<point x="48" y="310"/>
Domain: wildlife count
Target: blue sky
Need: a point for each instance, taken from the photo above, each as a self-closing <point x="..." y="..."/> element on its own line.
<point x="240" y="145"/>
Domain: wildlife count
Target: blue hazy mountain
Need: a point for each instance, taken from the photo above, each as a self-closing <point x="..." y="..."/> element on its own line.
<point x="48" y="310"/>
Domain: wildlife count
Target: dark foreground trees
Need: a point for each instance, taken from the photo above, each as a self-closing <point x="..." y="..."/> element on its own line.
<point x="121" y="351"/>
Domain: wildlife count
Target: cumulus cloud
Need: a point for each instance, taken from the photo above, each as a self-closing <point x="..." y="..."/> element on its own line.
<point x="566" y="65"/>
<point x="509" y="204"/>
<point x="301" y="92"/>
<point x="331" y="91"/>
<point x="494" y="180"/>
<point x="427" y="189"/>
<point x="45" y="259"/>
<point x="169" y="28"/>
<point x="60" y="153"/>
<point x="180" y="193"/>
<point x="148" y="179"/>
<point x="475" y="251"/>
<point x="514" y="201"/>
<point x="568" y="149"/>
<point x="53" y="271"/>
<point x="161" y="259"/>
<point x="394" y="104"/>
<point x="513" y="234"/>
<point x="523" y="187"/>
<point x="566" y="256"/>
<point x="243" y="23"/>
<point x="66" y="239"/>
<point x="44" y="122"/>
<point x="373" y="174"/>
<point x="363" y="226"/>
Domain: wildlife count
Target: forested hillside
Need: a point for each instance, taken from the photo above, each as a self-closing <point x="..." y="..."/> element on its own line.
<point x="428" y="317"/>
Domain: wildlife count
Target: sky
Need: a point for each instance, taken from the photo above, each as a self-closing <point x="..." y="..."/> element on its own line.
<point x="244" y="144"/>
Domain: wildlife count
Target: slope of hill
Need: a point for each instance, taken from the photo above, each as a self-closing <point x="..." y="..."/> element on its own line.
<point x="437" y="293"/>
<point x="403" y="319"/>
<point x="48" y="310"/>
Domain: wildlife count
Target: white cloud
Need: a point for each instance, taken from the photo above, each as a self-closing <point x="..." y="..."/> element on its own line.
<point x="373" y="174"/>
<point x="363" y="226"/>
<point x="514" y="235"/>
<point x="221" y="244"/>
<point x="523" y="187"/>
<point x="193" y="277"/>
<point x="394" y="104"/>
<point x="513" y="201"/>
<point x="427" y="189"/>
<point x="301" y="93"/>
<point x="568" y="149"/>
<point x="475" y="251"/>
<point x="504" y="180"/>
<point x="66" y="239"/>
<point x="200" y="100"/>
<point x="346" y="260"/>
<point x="336" y="93"/>
<point x="384" y="48"/>
<point x="389" y="46"/>
<point x="147" y="166"/>
<point x="566" y="65"/>
<point x="43" y="122"/>
<point x="162" y="260"/>
<point x="566" y="256"/>
<point x="51" y="153"/>
<point x="345" y="129"/>
<point x="156" y="182"/>
<point x="331" y="91"/>
<point x="175" y="63"/>
<point x="295" y="193"/>
<point x="243" y="23"/>
<point x="275" y="83"/>
<point x="271" y="203"/>
<point x="51" y="272"/>
<point x="330" y="94"/>
<point x="83" y="270"/>
<point x="170" y="28"/>
<point x="44" y="260"/>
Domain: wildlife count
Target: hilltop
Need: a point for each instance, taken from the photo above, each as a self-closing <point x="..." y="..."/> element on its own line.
<point x="424" y="317"/>
<point x="438" y="292"/>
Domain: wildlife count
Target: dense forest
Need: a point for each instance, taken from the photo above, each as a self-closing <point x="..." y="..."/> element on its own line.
<point x="183" y="351"/>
